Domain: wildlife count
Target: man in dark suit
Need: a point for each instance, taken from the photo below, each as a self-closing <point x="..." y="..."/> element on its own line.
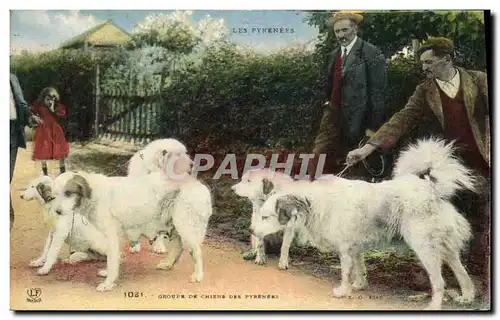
<point x="20" y="116"/>
<point x="355" y="92"/>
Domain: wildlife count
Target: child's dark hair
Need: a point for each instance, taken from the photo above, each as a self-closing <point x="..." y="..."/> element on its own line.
<point x="440" y="47"/>
<point x="48" y="91"/>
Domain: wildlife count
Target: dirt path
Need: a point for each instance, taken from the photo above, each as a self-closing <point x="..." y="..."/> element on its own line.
<point x="229" y="283"/>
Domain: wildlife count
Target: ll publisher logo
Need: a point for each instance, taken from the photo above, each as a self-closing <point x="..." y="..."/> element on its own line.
<point x="34" y="295"/>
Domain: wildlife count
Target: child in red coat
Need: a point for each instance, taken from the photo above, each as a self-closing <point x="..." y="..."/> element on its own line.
<point x="50" y="142"/>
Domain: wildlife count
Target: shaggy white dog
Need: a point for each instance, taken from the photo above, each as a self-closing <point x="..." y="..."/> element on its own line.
<point x="256" y="185"/>
<point x="151" y="159"/>
<point x="349" y="215"/>
<point x="169" y="201"/>
<point x="85" y="241"/>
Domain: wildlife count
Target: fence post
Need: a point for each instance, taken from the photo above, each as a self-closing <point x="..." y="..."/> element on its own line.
<point x="130" y="97"/>
<point x="97" y="94"/>
<point x="415" y="45"/>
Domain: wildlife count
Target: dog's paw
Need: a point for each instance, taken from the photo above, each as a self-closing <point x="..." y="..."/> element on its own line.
<point x="340" y="292"/>
<point x="359" y="285"/>
<point x="464" y="299"/>
<point x="103" y="273"/>
<point x="249" y="255"/>
<point x="43" y="271"/>
<point x="164" y="266"/>
<point x="134" y="248"/>
<point x="283" y="265"/>
<point x="195" y="277"/>
<point x="260" y="260"/>
<point x="78" y="257"/>
<point x="159" y="247"/>
<point x="105" y="286"/>
<point x="37" y="263"/>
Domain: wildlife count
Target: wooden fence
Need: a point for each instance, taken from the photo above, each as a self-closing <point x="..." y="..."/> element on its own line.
<point x="128" y="113"/>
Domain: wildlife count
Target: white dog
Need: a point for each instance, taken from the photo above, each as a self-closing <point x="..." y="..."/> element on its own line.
<point x="145" y="205"/>
<point x="85" y="241"/>
<point x="348" y="215"/>
<point x="151" y="159"/>
<point x="257" y="185"/>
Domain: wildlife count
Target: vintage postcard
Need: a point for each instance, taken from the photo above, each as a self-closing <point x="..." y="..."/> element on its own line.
<point x="250" y="160"/>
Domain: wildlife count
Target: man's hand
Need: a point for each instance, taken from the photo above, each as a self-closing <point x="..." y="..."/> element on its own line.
<point x="359" y="154"/>
<point x="36" y="120"/>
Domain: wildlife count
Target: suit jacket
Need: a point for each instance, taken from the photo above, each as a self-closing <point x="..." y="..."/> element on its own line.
<point x="364" y="78"/>
<point x="426" y="102"/>
<point x="17" y="137"/>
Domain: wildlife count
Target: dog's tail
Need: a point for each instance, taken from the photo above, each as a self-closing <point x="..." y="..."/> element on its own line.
<point x="435" y="160"/>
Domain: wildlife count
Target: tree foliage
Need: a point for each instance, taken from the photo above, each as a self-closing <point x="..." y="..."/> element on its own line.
<point x="391" y="31"/>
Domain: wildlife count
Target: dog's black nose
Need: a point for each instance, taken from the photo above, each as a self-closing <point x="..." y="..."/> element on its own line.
<point x="22" y="197"/>
<point x="58" y="211"/>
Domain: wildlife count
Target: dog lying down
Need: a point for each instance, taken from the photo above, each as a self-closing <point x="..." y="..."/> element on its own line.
<point x="85" y="241"/>
<point x="349" y="215"/>
<point x="144" y="205"/>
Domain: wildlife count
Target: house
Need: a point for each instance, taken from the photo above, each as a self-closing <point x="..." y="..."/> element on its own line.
<point x="106" y="35"/>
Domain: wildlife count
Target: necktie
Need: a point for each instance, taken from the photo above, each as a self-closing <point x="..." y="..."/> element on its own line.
<point x="344" y="56"/>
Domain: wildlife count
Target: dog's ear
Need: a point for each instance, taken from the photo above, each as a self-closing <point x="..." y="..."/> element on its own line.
<point x="288" y="207"/>
<point x="267" y="186"/>
<point x="44" y="191"/>
<point x="80" y="186"/>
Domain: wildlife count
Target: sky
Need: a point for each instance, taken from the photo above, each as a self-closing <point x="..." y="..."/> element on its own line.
<point x="38" y="30"/>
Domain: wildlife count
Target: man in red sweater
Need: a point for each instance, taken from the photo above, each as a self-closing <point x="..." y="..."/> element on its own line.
<point x="458" y="98"/>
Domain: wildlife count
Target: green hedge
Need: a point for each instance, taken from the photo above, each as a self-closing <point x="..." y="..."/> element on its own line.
<point x="231" y="101"/>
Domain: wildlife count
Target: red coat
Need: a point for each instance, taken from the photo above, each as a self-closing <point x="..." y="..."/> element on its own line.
<point x="50" y="142"/>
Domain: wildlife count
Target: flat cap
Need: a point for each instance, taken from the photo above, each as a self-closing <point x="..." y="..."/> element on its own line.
<point x="438" y="44"/>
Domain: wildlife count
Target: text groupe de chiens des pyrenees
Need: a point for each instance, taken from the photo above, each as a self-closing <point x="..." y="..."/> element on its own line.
<point x="218" y="296"/>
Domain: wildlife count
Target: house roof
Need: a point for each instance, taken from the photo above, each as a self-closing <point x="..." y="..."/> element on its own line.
<point x="82" y="38"/>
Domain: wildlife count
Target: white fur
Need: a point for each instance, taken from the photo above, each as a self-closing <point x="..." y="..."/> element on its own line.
<point x="252" y="186"/>
<point x="438" y="157"/>
<point x="143" y="206"/>
<point x="152" y="159"/>
<point x="349" y="215"/>
<point x="82" y="237"/>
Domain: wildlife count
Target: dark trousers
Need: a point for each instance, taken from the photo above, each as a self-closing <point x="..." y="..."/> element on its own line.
<point x="13" y="157"/>
<point x="476" y="207"/>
